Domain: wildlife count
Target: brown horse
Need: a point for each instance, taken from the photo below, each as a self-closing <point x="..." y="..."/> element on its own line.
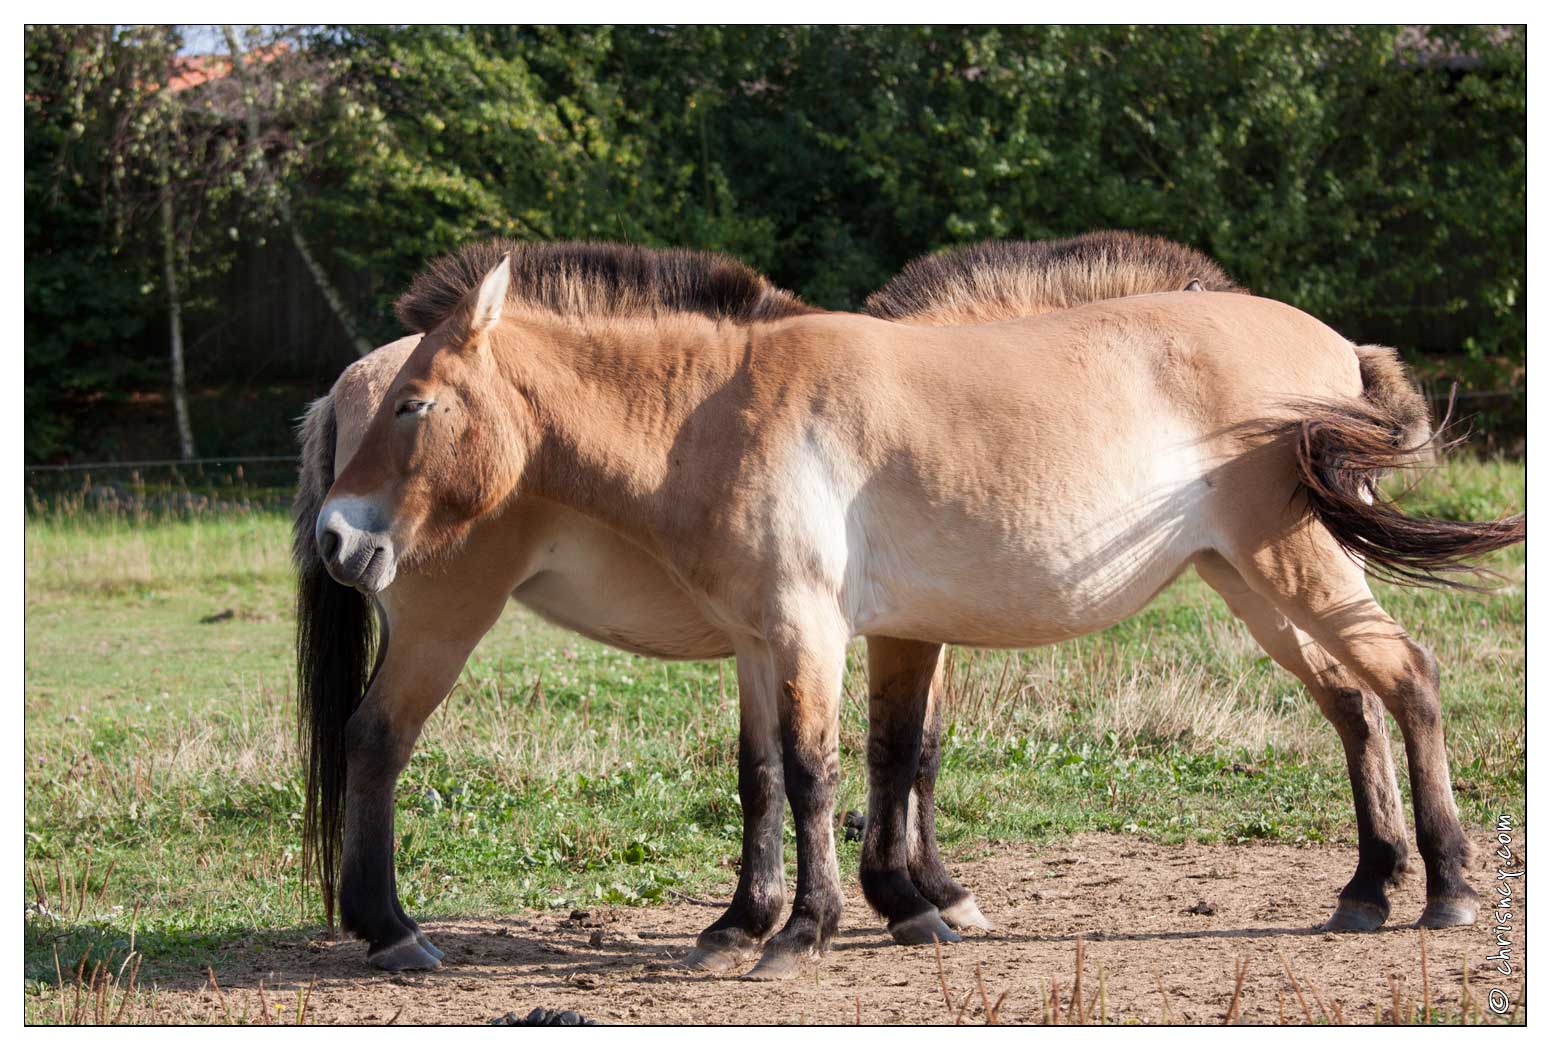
<point x="973" y="284"/>
<point x="804" y="477"/>
<point x="570" y="564"/>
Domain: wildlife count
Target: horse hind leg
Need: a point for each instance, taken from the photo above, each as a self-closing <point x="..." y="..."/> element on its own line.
<point x="1358" y="717"/>
<point x="1311" y="579"/>
<point x="954" y="902"/>
<point x="900" y="675"/>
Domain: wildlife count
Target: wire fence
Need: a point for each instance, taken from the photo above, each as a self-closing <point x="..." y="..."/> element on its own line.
<point x="151" y="489"/>
<point x="198" y="462"/>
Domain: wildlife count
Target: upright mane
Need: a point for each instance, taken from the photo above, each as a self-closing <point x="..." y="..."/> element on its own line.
<point x="585" y="279"/>
<point x="1001" y="280"/>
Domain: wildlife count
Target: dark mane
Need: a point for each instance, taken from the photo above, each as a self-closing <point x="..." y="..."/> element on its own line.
<point x="1000" y="280"/>
<point x="599" y="279"/>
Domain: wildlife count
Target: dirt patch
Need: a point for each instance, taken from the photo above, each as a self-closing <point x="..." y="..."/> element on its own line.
<point x="1177" y="917"/>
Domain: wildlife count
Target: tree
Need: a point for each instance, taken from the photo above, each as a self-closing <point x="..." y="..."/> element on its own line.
<point x="1372" y="175"/>
<point x="265" y="74"/>
<point x="171" y="152"/>
<point x="189" y="161"/>
<point x="76" y="81"/>
<point x="439" y="135"/>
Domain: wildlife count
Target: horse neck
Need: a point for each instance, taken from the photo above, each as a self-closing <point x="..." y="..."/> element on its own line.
<point x="609" y="402"/>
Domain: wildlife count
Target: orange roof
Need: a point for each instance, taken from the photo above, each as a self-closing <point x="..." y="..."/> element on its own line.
<point x="190" y="71"/>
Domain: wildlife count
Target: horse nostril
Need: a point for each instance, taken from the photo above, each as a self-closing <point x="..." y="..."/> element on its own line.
<point x="328" y="544"/>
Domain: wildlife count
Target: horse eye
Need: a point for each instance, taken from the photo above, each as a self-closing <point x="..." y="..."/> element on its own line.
<point x="413" y="406"/>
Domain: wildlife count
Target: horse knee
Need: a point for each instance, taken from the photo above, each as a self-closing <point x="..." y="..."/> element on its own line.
<point x="1346" y="709"/>
<point x="374" y="746"/>
<point x="811" y="782"/>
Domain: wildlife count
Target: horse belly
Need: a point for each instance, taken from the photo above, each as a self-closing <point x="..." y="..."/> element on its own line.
<point x="654" y="622"/>
<point x="1045" y="571"/>
<point x="590" y="580"/>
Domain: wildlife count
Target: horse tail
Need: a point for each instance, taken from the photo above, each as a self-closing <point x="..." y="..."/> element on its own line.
<point x="1388" y="385"/>
<point x="336" y="630"/>
<point x="1344" y="448"/>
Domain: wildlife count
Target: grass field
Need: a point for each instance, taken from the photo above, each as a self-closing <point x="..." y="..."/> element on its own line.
<point x="163" y="807"/>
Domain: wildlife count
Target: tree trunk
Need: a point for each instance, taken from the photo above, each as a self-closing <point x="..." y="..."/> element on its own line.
<point x="331" y="296"/>
<point x="174" y="315"/>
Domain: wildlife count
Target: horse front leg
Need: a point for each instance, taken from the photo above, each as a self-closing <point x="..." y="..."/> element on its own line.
<point x="428" y="641"/>
<point x="761" y="895"/>
<point x="807" y="661"/>
<point x="369" y="908"/>
<point x="379" y="740"/>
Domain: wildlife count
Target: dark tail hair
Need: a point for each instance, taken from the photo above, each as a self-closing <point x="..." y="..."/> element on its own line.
<point x="1344" y="448"/>
<point x="336" y="629"/>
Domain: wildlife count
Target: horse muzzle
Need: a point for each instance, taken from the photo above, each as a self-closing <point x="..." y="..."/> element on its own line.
<point x="357" y="551"/>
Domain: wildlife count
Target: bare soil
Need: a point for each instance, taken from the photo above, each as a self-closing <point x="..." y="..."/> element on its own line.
<point x="1165" y="926"/>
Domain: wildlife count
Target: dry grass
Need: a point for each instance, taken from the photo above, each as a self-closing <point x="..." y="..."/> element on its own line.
<point x="1138" y="702"/>
<point x="1066" y="1002"/>
<point x="108" y="992"/>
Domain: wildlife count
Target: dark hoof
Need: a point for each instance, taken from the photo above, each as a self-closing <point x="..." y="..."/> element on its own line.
<point x="407" y="955"/>
<point x="1449" y="912"/>
<point x="966" y="914"/>
<point x="923" y="930"/>
<point x="1357" y="916"/>
<point x="426" y="944"/>
<point x="779" y="963"/>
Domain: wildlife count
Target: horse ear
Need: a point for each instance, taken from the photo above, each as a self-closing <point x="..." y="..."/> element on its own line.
<point x="489" y="299"/>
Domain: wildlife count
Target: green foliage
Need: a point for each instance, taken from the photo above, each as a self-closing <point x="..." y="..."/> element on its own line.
<point x="109" y="140"/>
<point x="1321" y="166"/>
<point x="1372" y="176"/>
<point x="76" y="80"/>
<point x="440" y="136"/>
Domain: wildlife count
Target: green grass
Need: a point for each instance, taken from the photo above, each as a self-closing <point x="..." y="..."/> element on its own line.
<point x="560" y="772"/>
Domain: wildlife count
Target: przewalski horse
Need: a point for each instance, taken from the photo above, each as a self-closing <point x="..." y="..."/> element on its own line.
<point x="570" y="570"/>
<point x="1006" y="280"/>
<point x="974" y="284"/>
<point x="804" y="477"/>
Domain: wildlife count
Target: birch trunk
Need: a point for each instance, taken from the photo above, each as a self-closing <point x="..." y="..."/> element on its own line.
<point x="174" y="315"/>
<point x="331" y="296"/>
